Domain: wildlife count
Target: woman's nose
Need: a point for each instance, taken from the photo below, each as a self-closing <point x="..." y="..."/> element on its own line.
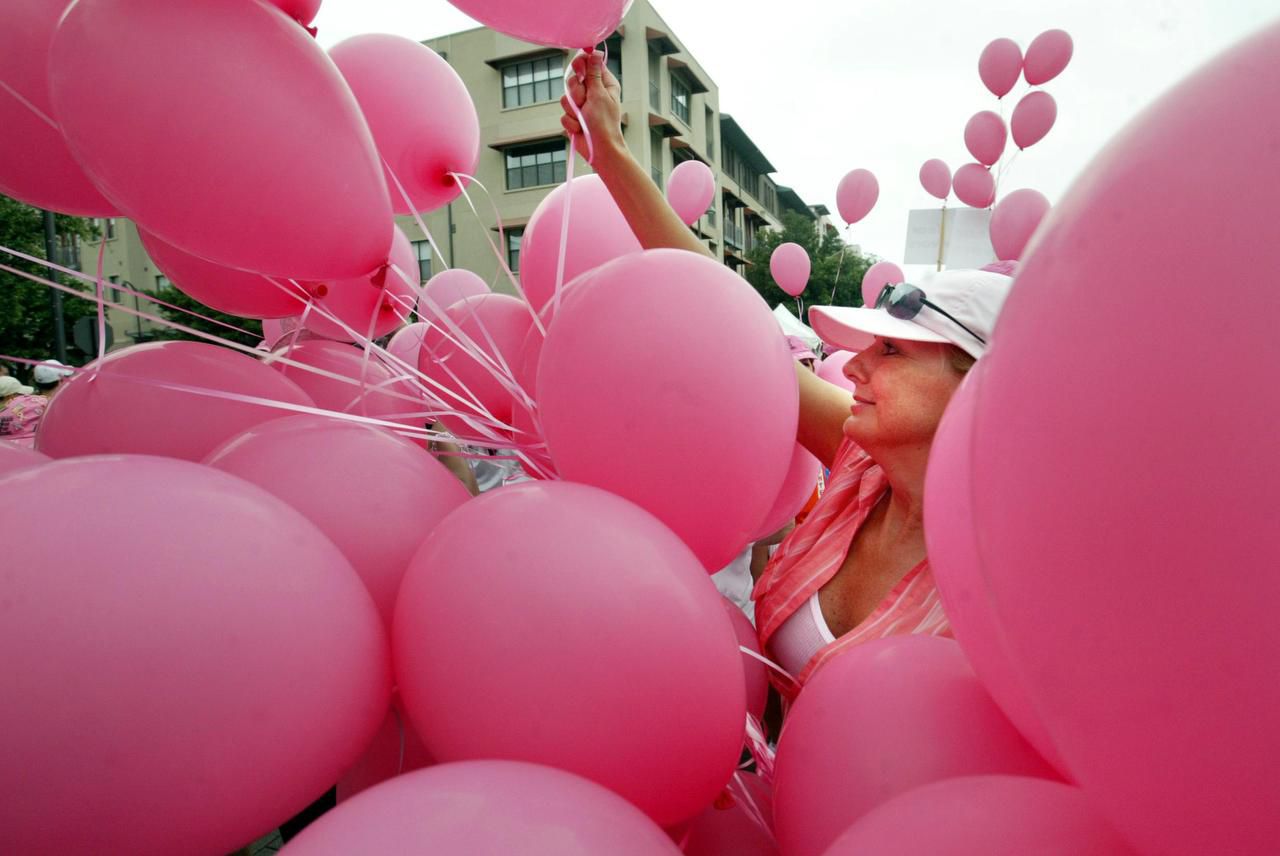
<point x="856" y="369"/>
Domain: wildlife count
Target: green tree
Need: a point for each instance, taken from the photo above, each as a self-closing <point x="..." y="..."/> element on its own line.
<point x="26" y="313"/>
<point x="247" y="331"/>
<point x="837" y="268"/>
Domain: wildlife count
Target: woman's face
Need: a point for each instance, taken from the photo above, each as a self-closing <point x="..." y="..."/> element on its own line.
<point x="902" y="389"/>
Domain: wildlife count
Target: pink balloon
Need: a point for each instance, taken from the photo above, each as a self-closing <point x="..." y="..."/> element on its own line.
<point x="489" y="320"/>
<point x="690" y="189"/>
<point x="797" y="487"/>
<point x="611" y="375"/>
<point x="754" y="670"/>
<point x="877" y="277"/>
<point x="957" y="567"/>
<point x="572" y="24"/>
<point x="419" y="147"/>
<point x="985" y="136"/>
<point x="528" y="433"/>
<point x="129" y="404"/>
<point x="877" y="721"/>
<point x="396" y="749"/>
<point x="790" y="266"/>
<point x="274" y="330"/>
<point x="831" y="369"/>
<point x="259" y="128"/>
<point x="382" y="298"/>
<point x="448" y="287"/>
<point x="485" y="807"/>
<point x="935" y="177"/>
<point x="217" y="642"/>
<point x="52" y="179"/>
<point x="381" y="396"/>
<point x="374" y="494"/>
<point x="597" y="233"/>
<point x="302" y="11"/>
<point x="984" y="816"/>
<point x="570" y="616"/>
<point x="406" y="345"/>
<point x="225" y="289"/>
<point x="1047" y="56"/>
<point x="14" y="457"/>
<point x="728" y="827"/>
<point x="1032" y="118"/>
<point x="856" y="195"/>
<point x="1014" y="220"/>
<point x="999" y="66"/>
<point x="1175" y="573"/>
<point x="975" y="186"/>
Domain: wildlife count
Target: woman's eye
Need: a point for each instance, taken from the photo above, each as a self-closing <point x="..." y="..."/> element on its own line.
<point x="889" y="348"/>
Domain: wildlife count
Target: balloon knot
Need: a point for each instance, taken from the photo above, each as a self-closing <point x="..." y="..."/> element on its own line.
<point x="725" y="801"/>
<point x="379" y="278"/>
<point x="311" y="30"/>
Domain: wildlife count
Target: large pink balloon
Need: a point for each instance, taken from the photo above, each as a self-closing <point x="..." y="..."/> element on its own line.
<point x="571" y="618"/>
<point x="877" y="277"/>
<point x="1032" y="118"/>
<point x="36" y="166"/>
<point x="1173" y="572"/>
<point x="226" y="289"/>
<point x="1047" y="55"/>
<point x="984" y="816"/>
<point x="572" y="24"/>
<point x="448" y="287"/>
<point x="935" y="177"/>
<point x="789" y="264"/>
<point x="975" y="186"/>
<point x="690" y="189"/>
<point x="380" y="397"/>
<point x="856" y="195"/>
<point x="258" y="128"/>
<point x="797" y="487"/>
<point x="478" y="808"/>
<point x="1014" y="220"/>
<point x="374" y="494"/>
<point x="999" y="66"/>
<point x="877" y="721"/>
<point x="151" y="399"/>
<point x="14" y="457"/>
<point x="420" y="146"/>
<point x="382" y="298"/>
<point x="614" y="376"/>
<point x="597" y="233"/>
<point x="197" y="675"/>
<point x="985" y="136"/>
<point x="831" y="369"/>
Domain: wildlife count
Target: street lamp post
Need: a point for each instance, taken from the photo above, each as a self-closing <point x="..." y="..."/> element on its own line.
<point x="55" y="296"/>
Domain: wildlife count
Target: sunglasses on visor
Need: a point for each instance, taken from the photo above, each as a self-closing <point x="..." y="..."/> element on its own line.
<point x="904" y="301"/>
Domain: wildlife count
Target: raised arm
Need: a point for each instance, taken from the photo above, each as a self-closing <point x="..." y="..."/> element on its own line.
<point x="596" y="91"/>
<point x="823" y="409"/>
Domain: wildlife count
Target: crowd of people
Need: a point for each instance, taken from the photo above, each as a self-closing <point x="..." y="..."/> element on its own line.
<point x="22" y="405"/>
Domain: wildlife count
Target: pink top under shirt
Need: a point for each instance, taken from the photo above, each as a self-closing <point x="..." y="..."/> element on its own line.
<point x="19" y="417"/>
<point x="814" y="551"/>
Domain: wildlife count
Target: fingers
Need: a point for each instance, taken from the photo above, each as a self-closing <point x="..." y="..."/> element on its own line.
<point x="577" y="90"/>
<point x="579" y="66"/>
<point x="570" y="125"/>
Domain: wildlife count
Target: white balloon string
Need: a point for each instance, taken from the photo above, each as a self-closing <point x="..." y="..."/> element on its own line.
<point x="577" y="111"/>
<point x="763" y="659"/>
<point x="40" y="114"/>
<point x="400" y="726"/>
<point x="564" y="228"/>
<point x="758" y="746"/>
<point x="102" y="310"/>
<point x="749" y="807"/>
<point x="417" y="218"/>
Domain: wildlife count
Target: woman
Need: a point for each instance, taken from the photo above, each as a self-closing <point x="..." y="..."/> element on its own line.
<point x="20" y="412"/>
<point x="856" y="568"/>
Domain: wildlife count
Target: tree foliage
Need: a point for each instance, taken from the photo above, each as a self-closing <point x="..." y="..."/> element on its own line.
<point x="830" y="258"/>
<point x="247" y="330"/>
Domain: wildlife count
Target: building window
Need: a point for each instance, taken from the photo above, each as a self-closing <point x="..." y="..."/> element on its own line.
<point x="655" y="79"/>
<point x="113" y="294"/>
<point x="530" y="82"/>
<point x="107" y="226"/>
<point x="711" y="134"/>
<point x="422" y="249"/>
<point x="656" y="156"/>
<point x="612" y="48"/>
<point x="162" y="282"/>
<point x="680" y="99"/>
<point x="535" y="165"/>
<point x="711" y="213"/>
<point x="513" y="249"/>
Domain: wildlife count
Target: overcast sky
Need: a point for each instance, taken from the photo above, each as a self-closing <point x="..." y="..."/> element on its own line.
<point x="824" y="87"/>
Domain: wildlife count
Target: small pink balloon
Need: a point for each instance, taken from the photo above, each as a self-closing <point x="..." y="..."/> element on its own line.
<point x="597" y="233"/>
<point x="877" y="277"/>
<point x="856" y="195"/>
<point x="448" y="287"/>
<point x="563" y="567"/>
<point x="422" y="146"/>
<point x="302" y="11"/>
<point x="831" y="369"/>
<point x="380" y="397"/>
<point x="789" y="264"/>
<point x="128" y="404"/>
<point x="1014" y="221"/>
<point x="274" y="330"/>
<point x="755" y="671"/>
<point x="375" y="494"/>
<point x="14" y="457"/>
<point x="236" y="292"/>
<point x="395" y="750"/>
<point x="935" y="176"/>
<point x="690" y="189"/>
<point x="984" y="816"/>
<point x="571" y="24"/>
<point x="261" y="129"/>
<point x="216" y="595"/>
<point x="381" y="300"/>
<point x="485" y="807"/>
<point x="1033" y="118"/>
<point x="880" y="719"/>
<point x="1047" y="55"/>
<point x="975" y="186"/>
<point x="797" y="487"/>
<point x="406" y="345"/>
<point x="985" y="136"/>
<point x="999" y="66"/>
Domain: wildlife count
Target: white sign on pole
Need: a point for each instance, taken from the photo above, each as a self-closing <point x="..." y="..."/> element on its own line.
<point x="966" y="242"/>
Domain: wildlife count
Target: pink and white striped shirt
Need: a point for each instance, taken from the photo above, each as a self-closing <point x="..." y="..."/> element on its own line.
<point x="814" y="551"/>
